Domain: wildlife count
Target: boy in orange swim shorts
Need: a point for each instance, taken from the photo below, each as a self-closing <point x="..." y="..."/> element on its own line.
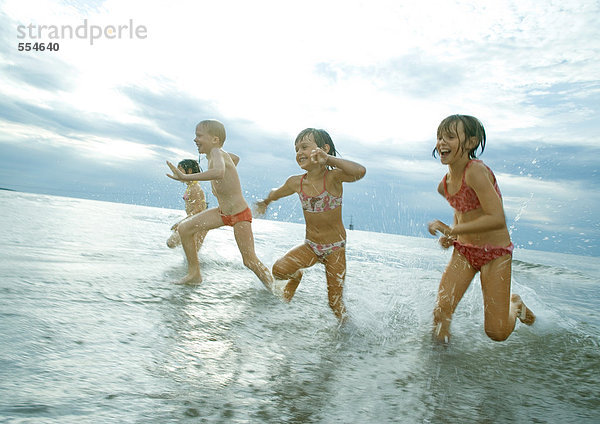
<point x="232" y="210"/>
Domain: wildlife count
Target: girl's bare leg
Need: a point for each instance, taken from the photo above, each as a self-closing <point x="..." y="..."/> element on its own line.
<point x="500" y="314"/>
<point x="501" y="309"/>
<point x="245" y="241"/>
<point x="290" y="266"/>
<point x="335" y="269"/>
<point x="456" y="279"/>
<point x="202" y="222"/>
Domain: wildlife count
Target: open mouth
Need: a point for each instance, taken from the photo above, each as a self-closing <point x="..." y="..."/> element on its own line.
<point x="444" y="152"/>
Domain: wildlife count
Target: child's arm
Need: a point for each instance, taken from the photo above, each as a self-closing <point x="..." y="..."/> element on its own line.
<point x="478" y="178"/>
<point x="287" y="189"/>
<point x="235" y="158"/>
<point x="216" y="169"/>
<point x="351" y="171"/>
<point x="438" y="226"/>
<point x="448" y="241"/>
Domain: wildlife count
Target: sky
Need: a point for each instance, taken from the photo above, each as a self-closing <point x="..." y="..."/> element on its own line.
<point x="123" y="84"/>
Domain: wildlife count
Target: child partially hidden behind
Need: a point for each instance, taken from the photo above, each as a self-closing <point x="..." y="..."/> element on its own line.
<point x="195" y="202"/>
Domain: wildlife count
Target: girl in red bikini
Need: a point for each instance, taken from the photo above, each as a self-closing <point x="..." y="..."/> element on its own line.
<point x="320" y="192"/>
<point x="479" y="235"/>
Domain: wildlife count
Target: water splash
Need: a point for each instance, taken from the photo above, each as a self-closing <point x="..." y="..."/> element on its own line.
<point x="519" y="213"/>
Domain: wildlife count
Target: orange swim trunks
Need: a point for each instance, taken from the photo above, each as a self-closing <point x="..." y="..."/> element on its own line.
<point x="231" y="220"/>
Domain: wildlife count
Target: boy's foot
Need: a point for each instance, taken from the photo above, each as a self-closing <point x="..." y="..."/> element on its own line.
<point x="190" y="279"/>
<point x="525" y="314"/>
<point x="291" y="286"/>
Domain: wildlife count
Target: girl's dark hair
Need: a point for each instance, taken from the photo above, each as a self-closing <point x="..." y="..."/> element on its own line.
<point x="189" y="164"/>
<point x="472" y="127"/>
<point x="321" y="137"/>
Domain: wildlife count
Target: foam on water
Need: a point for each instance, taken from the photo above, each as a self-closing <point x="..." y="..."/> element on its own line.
<point x="95" y="331"/>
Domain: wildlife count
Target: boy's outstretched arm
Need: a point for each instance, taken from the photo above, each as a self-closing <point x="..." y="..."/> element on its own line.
<point x="215" y="172"/>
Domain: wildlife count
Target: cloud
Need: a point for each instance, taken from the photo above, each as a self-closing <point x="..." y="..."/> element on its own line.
<point x="379" y="76"/>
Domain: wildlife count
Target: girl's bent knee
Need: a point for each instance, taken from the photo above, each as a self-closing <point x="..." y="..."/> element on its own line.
<point x="280" y="272"/>
<point x="497" y="335"/>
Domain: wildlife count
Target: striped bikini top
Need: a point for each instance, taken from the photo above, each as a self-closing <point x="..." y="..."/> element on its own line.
<point x="322" y="202"/>
<point x="466" y="199"/>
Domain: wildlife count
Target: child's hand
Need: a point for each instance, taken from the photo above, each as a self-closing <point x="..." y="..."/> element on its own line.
<point x="260" y="208"/>
<point x="438" y="226"/>
<point x="174" y="227"/>
<point x="446" y="241"/>
<point x="319" y="156"/>
<point x="177" y="174"/>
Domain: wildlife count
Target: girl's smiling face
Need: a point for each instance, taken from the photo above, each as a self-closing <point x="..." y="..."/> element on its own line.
<point x="450" y="144"/>
<point x="303" y="149"/>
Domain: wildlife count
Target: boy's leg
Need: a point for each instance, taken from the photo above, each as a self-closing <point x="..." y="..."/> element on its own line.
<point x="245" y="241"/>
<point x="290" y="266"/>
<point x="456" y="279"/>
<point x="200" y="235"/>
<point x="501" y="309"/>
<point x="335" y="269"/>
<point x="201" y="222"/>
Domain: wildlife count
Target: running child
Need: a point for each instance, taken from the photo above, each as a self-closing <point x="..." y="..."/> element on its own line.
<point x="320" y="191"/>
<point x="479" y="235"/>
<point x="195" y="202"/>
<point x="232" y="210"/>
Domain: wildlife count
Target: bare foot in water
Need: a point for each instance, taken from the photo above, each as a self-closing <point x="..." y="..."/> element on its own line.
<point x="191" y="279"/>
<point x="524" y="314"/>
<point x="291" y="286"/>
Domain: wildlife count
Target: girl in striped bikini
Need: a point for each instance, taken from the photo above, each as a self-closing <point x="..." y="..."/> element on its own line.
<point x="479" y="235"/>
<point x="320" y="191"/>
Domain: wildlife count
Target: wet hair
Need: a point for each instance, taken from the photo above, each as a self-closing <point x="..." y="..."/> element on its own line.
<point x="321" y="137"/>
<point x="214" y="128"/>
<point x="189" y="165"/>
<point x="472" y="127"/>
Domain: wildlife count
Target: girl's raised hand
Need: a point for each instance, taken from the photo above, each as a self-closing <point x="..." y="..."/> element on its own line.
<point x="318" y="156"/>
<point x="177" y="174"/>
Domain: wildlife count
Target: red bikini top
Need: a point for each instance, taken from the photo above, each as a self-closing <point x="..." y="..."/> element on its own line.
<point x="465" y="199"/>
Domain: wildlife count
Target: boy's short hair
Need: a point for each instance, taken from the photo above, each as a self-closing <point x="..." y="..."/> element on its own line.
<point x="214" y="128"/>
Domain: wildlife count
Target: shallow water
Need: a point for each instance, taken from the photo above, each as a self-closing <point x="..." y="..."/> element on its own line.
<point x="93" y="331"/>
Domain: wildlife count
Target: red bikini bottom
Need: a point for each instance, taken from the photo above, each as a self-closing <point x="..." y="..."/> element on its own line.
<point x="478" y="256"/>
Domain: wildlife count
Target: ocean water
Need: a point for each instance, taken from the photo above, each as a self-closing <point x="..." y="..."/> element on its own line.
<point x="93" y="331"/>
